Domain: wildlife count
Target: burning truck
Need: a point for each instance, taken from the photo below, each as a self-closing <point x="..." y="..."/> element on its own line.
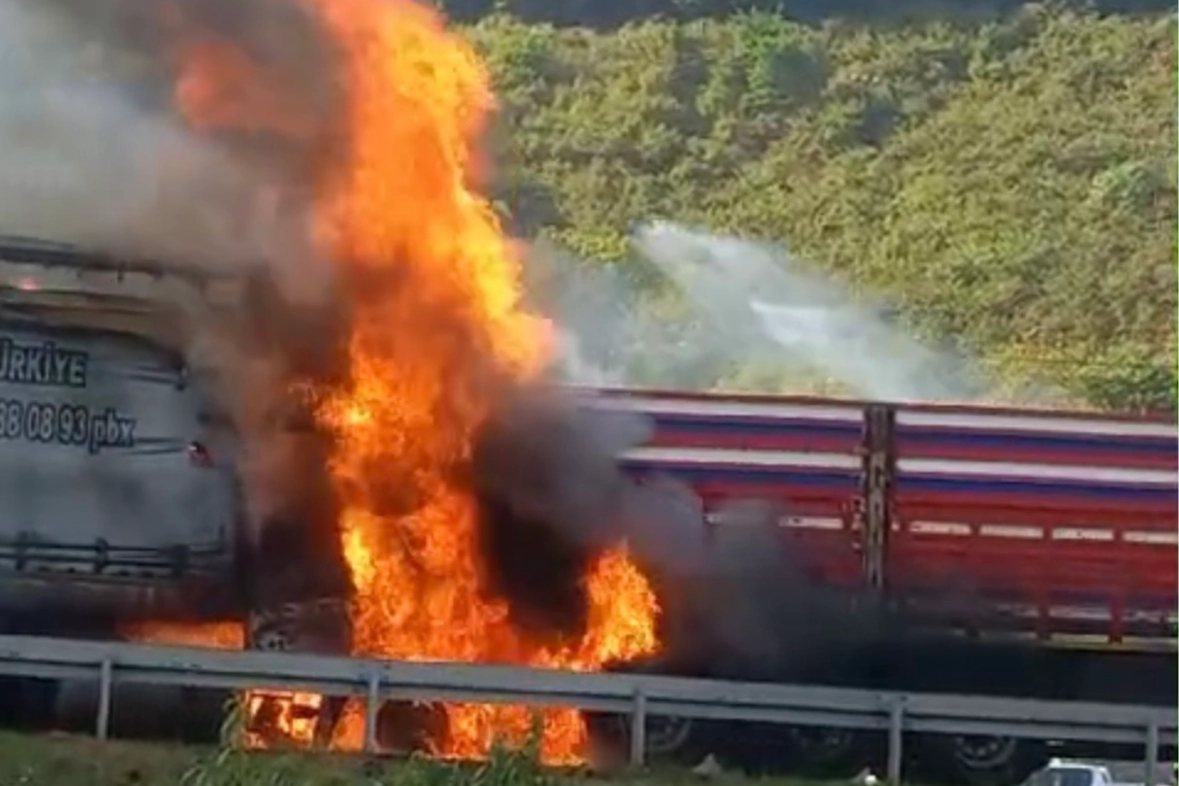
<point x="345" y="441"/>
<point x="324" y="416"/>
<point x="950" y="549"/>
<point x="154" y="540"/>
<point x="121" y="479"/>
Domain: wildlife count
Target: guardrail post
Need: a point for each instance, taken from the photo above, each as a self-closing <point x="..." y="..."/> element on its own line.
<point x="372" y="703"/>
<point x="896" y="720"/>
<point x="105" y="678"/>
<point x="1152" y="754"/>
<point x="638" y="729"/>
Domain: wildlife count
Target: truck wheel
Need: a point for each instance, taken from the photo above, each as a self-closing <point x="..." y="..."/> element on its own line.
<point x="666" y="736"/>
<point x="668" y="739"/>
<point x="981" y="760"/>
<point x="140" y="712"/>
<point x="29" y="703"/>
<point x="317" y="626"/>
<point x="823" y="752"/>
<point x="408" y="727"/>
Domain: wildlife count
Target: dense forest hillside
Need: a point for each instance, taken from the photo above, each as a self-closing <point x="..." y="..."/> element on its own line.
<point x="611" y="13"/>
<point x="1006" y="179"/>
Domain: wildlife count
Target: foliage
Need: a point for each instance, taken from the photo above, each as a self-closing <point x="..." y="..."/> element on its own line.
<point x="47" y="761"/>
<point x="60" y="760"/>
<point x="1006" y="181"/>
<point x="232" y="765"/>
<point x="609" y="13"/>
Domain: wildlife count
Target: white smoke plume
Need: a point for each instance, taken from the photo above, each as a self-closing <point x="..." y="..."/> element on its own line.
<point x="744" y="315"/>
<point x="754" y="293"/>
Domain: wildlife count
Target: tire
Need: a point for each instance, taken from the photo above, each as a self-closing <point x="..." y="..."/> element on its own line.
<point x="408" y="727"/>
<point x="29" y="704"/>
<point x="979" y="761"/>
<point x="316" y="626"/>
<point x="141" y="712"/>
<point x="669" y="740"/>
<point x="825" y="753"/>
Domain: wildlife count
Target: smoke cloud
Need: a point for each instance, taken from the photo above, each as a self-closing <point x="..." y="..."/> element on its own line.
<point x="762" y="297"/>
<point x="736" y="601"/>
<point x="736" y="314"/>
<point x="95" y="155"/>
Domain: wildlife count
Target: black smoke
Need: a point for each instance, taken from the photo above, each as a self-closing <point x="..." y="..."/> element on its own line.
<point x="550" y="497"/>
<point x="737" y="599"/>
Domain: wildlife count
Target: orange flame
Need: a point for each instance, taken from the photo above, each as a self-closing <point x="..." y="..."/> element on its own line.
<point x="214" y="635"/>
<point x="437" y="328"/>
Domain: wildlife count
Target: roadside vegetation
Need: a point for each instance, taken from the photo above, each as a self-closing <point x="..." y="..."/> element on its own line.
<point x="63" y="760"/>
<point x="1003" y="174"/>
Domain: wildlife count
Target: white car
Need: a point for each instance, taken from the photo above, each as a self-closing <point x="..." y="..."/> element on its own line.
<point x="1060" y="772"/>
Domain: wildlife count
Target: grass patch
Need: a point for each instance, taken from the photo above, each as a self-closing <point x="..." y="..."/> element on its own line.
<point x="67" y="760"/>
<point x="58" y="759"/>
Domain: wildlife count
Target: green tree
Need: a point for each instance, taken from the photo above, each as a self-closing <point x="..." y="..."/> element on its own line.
<point x="1007" y="180"/>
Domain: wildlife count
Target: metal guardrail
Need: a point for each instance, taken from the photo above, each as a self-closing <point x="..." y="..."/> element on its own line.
<point x="636" y="695"/>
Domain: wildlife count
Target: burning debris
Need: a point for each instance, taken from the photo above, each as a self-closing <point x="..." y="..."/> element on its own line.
<point x="382" y="382"/>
